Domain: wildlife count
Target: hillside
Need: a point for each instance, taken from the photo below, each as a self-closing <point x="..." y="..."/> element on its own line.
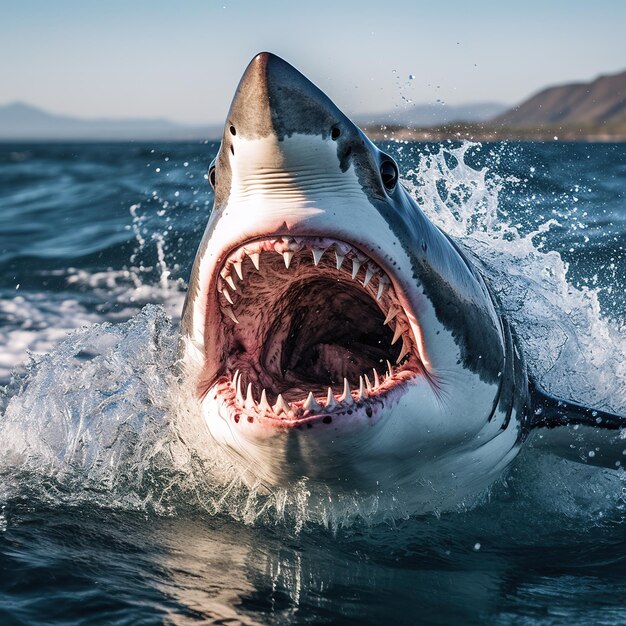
<point x="419" y="115"/>
<point x="19" y="121"/>
<point x="601" y="102"/>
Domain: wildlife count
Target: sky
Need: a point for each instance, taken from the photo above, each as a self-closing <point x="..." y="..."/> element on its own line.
<point x="182" y="59"/>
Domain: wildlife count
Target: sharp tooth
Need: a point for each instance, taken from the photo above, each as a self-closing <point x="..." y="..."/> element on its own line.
<point x="250" y="403"/>
<point x="382" y="284"/>
<point x="239" y="396"/>
<point x="389" y="368"/>
<point x="376" y="379"/>
<point x="264" y="405"/>
<point x="237" y="266"/>
<point x="230" y="314"/>
<point x="397" y="334"/>
<point x="369" y="274"/>
<point x="346" y="396"/>
<point x="311" y="403"/>
<point x="355" y="267"/>
<point x="281" y="406"/>
<point x="227" y="295"/>
<point x="229" y="279"/>
<point x="340" y="258"/>
<point x="368" y="384"/>
<point x="391" y="314"/>
<point x="330" y="399"/>
<point x="317" y="255"/>
<point x="235" y="377"/>
<point x="287" y="256"/>
<point x="255" y="256"/>
<point x="405" y="350"/>
<point x="362" y="393"/>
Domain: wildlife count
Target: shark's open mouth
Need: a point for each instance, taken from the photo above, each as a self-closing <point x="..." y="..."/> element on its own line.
<point x="313" y="328"/>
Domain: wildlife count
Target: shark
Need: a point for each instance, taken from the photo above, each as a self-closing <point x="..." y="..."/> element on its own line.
<point x="332" y="332"/>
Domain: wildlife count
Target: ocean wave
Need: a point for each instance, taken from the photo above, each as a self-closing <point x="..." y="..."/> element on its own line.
<point x="106" y="418"/>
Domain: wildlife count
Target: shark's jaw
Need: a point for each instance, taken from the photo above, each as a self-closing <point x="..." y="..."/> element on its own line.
<point x="314" y="331"/>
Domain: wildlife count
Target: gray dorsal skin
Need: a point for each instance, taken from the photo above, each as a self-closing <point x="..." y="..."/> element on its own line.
<point x="293" y="170"/>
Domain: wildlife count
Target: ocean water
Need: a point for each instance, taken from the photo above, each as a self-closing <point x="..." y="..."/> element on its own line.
<point x="116" y="507"/>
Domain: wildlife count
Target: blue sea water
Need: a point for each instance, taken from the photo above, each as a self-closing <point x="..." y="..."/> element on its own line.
<point x="117" y="509"/>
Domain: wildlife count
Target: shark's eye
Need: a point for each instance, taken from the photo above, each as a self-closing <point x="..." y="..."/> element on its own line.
<point x="212" y="175"/>
<point x="389" y="174"/>
<point x="335" y="132"/>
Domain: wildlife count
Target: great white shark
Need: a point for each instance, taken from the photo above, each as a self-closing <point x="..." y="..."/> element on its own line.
<point x="333" y="332"/>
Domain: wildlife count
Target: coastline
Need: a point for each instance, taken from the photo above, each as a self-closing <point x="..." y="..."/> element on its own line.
<point x="491" y="132"/>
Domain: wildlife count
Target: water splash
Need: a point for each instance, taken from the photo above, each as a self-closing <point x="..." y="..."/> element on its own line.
<point x="571" y="347"/>
<point x="107" y="419"/>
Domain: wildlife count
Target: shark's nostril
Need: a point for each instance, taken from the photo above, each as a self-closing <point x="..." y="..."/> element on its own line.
<point x="334" y="133"/>
<point x="233" y="130"/>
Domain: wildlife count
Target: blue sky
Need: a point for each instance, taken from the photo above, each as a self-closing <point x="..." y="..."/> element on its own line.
<point x="182" y="59"/>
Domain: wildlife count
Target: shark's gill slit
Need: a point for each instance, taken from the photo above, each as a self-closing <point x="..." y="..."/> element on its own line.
<point x="314" y="327"/>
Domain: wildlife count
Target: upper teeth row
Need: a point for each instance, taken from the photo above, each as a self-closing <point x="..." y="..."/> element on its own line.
<point x="341" y="251"/>
<point x="287" y="247"/>
<point x="311" y="404"/>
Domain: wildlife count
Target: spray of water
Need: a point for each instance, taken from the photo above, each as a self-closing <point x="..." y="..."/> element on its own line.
<point x="572" y="349"/>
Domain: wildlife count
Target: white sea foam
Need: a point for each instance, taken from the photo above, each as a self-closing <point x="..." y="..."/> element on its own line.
<point x="35" y="323"/>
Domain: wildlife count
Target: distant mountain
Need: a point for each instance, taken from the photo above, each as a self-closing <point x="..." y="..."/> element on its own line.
<point x="594" y="110"/>
<point x="599" y="102"/>
<point x="20" y="121"/>
<point x="426" y="115"/>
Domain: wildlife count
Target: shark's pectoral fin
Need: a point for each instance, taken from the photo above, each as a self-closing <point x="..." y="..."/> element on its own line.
<point x="550" y="412"/>
<point x="578" y="432"/>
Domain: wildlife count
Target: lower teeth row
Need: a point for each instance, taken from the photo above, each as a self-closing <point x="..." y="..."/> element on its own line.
<point x="311" y="404"/>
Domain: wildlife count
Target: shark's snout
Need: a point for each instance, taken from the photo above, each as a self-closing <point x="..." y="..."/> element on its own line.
<point x="284" y="137"/>
<point x="273" y="98"/>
